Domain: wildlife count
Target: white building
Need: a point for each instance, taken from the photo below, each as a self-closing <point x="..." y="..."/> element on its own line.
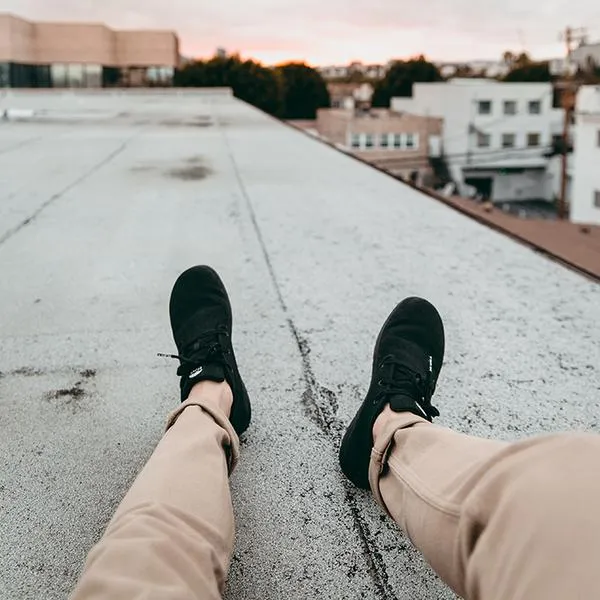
<point x="488" y="68"/>
<point x="585" y="201"/>
<point x="342" y="71"/>
<point x="587" y="55"/>
<point x="496" y="135"/>
<point x="334" y="71"/>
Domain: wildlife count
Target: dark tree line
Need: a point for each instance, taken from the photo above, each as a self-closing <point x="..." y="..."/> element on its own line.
<point x="400" y="78"/>
<point x="289" y="91"/>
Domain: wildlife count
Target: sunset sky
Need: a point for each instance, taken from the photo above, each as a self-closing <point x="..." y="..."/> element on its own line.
<point x="339" y="31"/>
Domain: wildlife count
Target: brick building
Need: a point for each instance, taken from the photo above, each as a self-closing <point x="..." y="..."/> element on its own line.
<point x="399" y="142"/>
<point x="83" y="55"/>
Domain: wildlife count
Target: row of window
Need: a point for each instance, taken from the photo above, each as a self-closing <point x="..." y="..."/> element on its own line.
<point x="509" y="107"/>
<point x="401" y="141"/>
<point x="508" y="140"/>
<point x="75" y="75"/>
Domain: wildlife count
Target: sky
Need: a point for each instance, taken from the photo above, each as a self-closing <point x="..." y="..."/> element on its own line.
<point x="323" y="32"/>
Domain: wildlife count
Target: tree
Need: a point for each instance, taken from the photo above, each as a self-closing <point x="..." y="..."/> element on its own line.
<point x="249" y="80"/>
<point x="522" y="60"/>
<point x="464" y="71"/>
<point x="509" y="59"/>
<point x="532" y="72"/>
<point x="512" y="60"/>
<point x="400" y="78"/>
<point x="303" y="91"/>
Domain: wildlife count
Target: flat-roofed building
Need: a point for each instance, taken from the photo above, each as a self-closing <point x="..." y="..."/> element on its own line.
<point x="83" y="55"/>
<point x="398" y="142"/>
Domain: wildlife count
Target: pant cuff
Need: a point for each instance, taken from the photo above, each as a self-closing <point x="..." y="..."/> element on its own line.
<point x="382" y="447"/>
<point x="231" y="447"/>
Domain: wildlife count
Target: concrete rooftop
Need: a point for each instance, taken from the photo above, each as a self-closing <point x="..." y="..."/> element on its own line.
<point x="106" y="198"/>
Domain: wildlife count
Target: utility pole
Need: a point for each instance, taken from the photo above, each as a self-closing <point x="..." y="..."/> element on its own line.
<point x="569" y="92"/>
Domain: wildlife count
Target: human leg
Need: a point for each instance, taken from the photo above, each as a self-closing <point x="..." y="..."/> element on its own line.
<point x="495" y="520"/>
<point x="172" y="535"/>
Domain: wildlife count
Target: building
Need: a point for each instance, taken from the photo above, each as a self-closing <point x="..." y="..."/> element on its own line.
<point x="485" y="68"/>
<point x="497" y="137"/>
<point x="350" y="95"/>
<point x="373" y="71"/>
<point x="79" y="55"/>
<point x="330" y="72"/>
<point x="401" y="143"/>
<point x="586" y="56"/>
<point x="585" y="201"/>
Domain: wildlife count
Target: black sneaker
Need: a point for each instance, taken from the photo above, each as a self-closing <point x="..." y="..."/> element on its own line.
<point x="201" y="322"/>
<point x="406" y="363"/>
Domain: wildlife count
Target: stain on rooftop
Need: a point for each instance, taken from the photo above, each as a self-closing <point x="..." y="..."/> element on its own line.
<point x="190" y="172"/>
<point x="68" y="397"/>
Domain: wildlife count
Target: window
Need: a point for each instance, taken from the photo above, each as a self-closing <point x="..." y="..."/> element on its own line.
<point x="510" y="107"/>
<point x="369" y="140"/>
<point x="93" y="76"/>
<point x="397" y="140"/>
<point x="162" y="76"/>
<point x="384" y="141"/>
<point x="23" y="76"/>
<point x="59" y="75"/>
<point x="355" y="140"/>
<point x="111" y="76"/>
<point x="597" y="199"/>
<point x="75" y="76"/>
<point x="535" y="107"/>
<point x="410" y="140"/>
<point x="41" y="76"/>
<point x="533" y="140"/>
<point x="484" y="140"/>
<point x="484" y="107"/>
<point x="4" y="75"/>
<point x="508" y="140"/>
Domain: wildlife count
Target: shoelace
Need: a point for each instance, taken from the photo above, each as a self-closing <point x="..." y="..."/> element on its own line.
<point x="213" y="352"/>
<point x="401" y="380"/>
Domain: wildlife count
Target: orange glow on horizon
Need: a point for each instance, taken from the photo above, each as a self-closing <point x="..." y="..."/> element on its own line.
<point x="347" y="53"/>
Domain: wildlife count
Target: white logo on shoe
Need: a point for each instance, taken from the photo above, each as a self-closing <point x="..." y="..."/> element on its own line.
<point x="196" y="372"/>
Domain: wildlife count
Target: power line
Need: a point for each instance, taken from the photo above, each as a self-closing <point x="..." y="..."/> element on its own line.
<point x="506" y="152"/>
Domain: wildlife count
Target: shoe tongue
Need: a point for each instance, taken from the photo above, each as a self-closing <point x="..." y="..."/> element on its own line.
<point x="413" y="356"/>
<point x="208" y="372"/>
<point x="418" y="362"/>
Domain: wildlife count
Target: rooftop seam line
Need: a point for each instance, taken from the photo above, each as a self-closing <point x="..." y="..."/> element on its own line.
<point x="326" y="422"/>
<point x="11" y="232"/>
<point x="20" y="145"/>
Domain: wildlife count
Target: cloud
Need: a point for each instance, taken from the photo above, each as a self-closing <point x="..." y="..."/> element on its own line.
<point x="337" y="30"/>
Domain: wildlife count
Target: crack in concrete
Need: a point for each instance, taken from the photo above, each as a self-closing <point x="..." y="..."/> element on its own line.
<point x="20" y="144"/>
<point x="323" y="403"/>
<point x="11" y="232"/>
